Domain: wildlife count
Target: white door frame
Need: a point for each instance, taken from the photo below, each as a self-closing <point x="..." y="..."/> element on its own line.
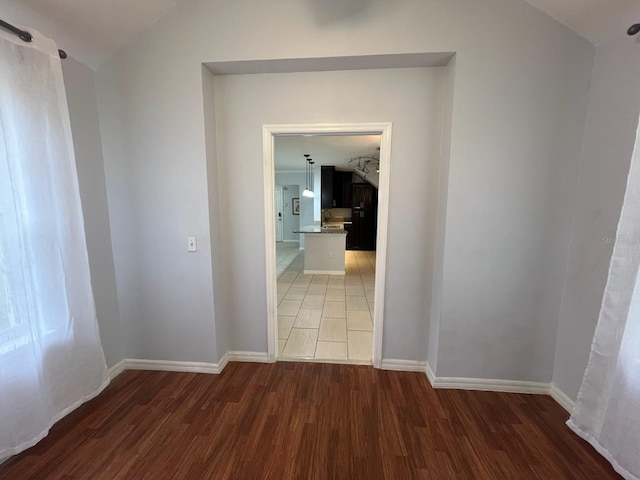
<point x="268" y="133"/>
<point x="281" y="224"/>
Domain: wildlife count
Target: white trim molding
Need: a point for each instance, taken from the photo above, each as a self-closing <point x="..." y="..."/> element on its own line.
<point x="269" y="132"/>
<point x="166" y="366"/>
<point x="171" y="366"/>
<point x="459" y="383"/>
<point x="562" y="398"/>
<point x="430" y="375"/>
<point x="508" y="386"/>
<point x="223" y="361"/>
<point x="486" y="384"/>
<point x="268" y="167"/>
<point x="491" y="385"/>
<point x="193" y="367"/>
<point x="117" y="369"/>
<point x="254" y="357"/>
<point x="402" y="365"/>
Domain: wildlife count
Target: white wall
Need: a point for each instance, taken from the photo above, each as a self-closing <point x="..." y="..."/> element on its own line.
<point x="412" y="101"/>
<point x="510" y="169"/>
<point x="83" y="112"/>
<point x="612" y="119"/>
<point x="508" y="220"/>
<point x="157" y="197"/>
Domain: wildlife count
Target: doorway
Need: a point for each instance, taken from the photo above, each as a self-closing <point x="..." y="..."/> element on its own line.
<point x="269" y="134"/>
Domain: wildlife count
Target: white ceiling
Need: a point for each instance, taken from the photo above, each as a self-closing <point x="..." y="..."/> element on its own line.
<point x="324" y="150"/>
<point x="93" y="30"/>
<point x="89" y="30"/>
<point x="595" y="20"/>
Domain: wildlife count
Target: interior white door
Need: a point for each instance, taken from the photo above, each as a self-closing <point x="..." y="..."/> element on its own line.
<point x="279" y="214"/>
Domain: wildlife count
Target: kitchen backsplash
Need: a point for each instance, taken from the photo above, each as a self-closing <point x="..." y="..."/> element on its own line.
<point x="341" y="212"/>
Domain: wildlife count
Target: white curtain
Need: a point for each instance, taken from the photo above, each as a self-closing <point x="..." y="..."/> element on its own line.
<point x="607" y="412"/>
<point x="51" y="358"/>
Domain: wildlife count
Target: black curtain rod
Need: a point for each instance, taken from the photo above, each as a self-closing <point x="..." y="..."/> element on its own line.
<point x="25" y="36"/>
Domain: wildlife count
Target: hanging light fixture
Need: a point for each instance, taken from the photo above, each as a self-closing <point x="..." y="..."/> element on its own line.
<point x="308" y="176"/>
<point x="363" y="164"/>
<point x="311" y="162"/>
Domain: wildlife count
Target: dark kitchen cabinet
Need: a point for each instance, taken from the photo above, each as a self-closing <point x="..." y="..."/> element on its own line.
<point x="335" y="188"/>
<point x="364" y="217"/>
<point x="342" y="189"/>
<point x="326" y="187"/>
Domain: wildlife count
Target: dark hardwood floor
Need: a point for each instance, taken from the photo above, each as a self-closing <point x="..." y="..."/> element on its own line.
<point x="308" y="421"/>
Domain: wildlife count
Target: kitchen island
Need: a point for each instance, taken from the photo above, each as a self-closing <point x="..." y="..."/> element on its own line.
<point x="324" y="249"/>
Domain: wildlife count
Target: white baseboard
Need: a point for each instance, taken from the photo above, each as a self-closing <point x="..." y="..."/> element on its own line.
<point x="510" y="386"/>
<point x="562" y="398"/>
<point x="430" y="375"/>
<point x="460" y="383"/>
<point x="491" y="385"/>
<point x="117" y="369"/>
<point x="257" y="357"/>
<point x="223" y="361"/>
<point x="165" y="366"/>
<point x="486" y="384"/>
<point x="171" y="366"/>
<point x="194" y="367"/>
<point x="402" y="365"/>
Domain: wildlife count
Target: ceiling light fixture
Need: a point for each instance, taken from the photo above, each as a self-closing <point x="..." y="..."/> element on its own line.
<point x="308" y="176"/>
<point x="365" y="163"/>
<point x="311" y="162"/>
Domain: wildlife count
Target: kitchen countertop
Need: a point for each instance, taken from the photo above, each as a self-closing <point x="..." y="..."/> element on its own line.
<point x="319" y="229"/>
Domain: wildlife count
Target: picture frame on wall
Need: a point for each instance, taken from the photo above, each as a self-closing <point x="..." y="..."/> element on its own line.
<point x="295" y="206"/>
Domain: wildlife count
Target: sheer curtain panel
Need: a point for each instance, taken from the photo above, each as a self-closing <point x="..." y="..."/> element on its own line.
<point x="51" y="358"/>
<point x="607" y="412"/>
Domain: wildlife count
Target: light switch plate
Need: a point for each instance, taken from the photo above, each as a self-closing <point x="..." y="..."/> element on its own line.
<point x="192" y="244"/>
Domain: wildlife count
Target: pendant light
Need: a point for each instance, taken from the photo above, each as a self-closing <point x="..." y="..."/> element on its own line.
<point x="311" y="162"/>
<point x="308" y="172"/>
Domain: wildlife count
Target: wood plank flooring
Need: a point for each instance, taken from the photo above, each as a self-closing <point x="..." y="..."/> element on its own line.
<point x="307" y="421"/>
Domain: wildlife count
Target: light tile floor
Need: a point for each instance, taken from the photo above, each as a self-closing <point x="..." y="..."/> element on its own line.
<point x="326" y="317"/>
<point x="286" y="252"/>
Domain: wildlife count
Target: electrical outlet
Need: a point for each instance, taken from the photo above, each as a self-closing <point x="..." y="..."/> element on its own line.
<point x="330" y="254"/>
<point x="192" y="244"/>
